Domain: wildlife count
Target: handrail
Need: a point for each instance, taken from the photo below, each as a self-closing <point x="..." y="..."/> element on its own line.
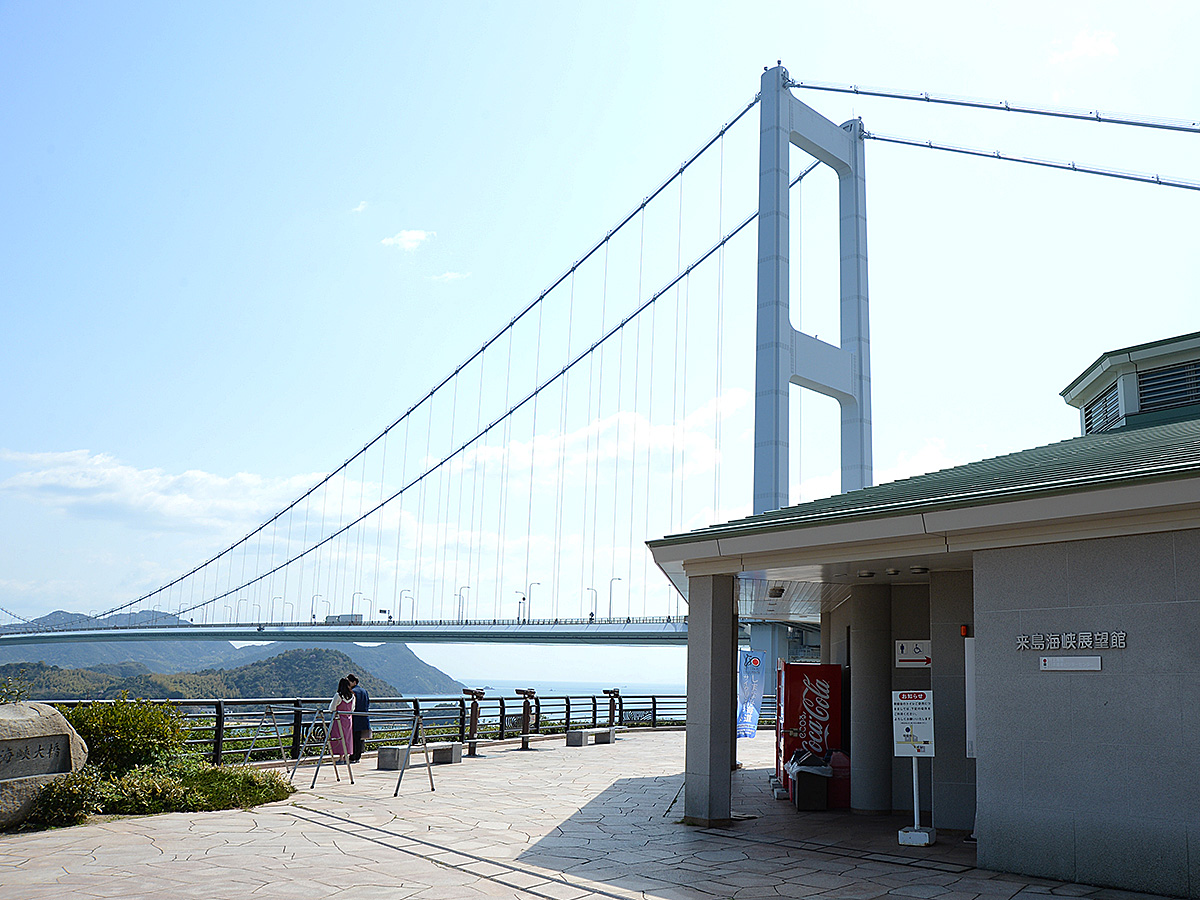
<point x="224" y="729"/>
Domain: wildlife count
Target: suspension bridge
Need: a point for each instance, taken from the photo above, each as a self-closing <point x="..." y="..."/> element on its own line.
<point x="634" y="396"/>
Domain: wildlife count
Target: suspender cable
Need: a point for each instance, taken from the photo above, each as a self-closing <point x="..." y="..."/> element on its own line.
<point x="1045" y="163"/>
<point x="599" y="419"/>
<point x="720" y="329"/>
<point x="472" y="556"/>
<point x="1091" y="115"/>
<point x="500" y="548"/>
<point x="537" y="366"/>
<point x="562" y="458"/>
<point x="633" y="452"/>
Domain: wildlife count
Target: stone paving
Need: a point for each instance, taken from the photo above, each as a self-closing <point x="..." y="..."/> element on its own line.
<point x="551" y="822"/>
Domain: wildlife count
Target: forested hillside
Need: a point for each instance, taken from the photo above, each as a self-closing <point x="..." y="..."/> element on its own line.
<point x="310" y="672"/>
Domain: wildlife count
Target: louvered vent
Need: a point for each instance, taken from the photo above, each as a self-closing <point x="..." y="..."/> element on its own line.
<point x="1101" y="413"/>
<point x="1169" y="387"/>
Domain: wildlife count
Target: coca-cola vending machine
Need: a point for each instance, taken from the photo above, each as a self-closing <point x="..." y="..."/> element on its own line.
<point x="808" y="711"/>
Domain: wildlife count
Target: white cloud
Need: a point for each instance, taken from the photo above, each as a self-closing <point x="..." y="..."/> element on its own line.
<point x="450" y="276"/>
<point x="408" y="240"/>
<point x="362" y="204"/>
<point x="1087" y="45"/>
<point x="98" y="486"/>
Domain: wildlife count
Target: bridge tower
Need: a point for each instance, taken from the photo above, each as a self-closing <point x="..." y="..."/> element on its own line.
<point x="786" y="356"/>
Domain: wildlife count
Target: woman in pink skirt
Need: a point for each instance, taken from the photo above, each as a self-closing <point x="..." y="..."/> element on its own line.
<point x="341" y="738"/>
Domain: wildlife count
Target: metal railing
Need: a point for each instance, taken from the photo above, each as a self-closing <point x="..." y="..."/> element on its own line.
<point x="255" y="729"/>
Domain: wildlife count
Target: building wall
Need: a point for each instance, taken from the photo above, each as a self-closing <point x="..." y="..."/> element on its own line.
<point x="1091" y="776"/>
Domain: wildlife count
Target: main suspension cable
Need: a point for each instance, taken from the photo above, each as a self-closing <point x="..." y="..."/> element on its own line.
<point x="1091" y="115"/>
<point x="1032" y="161"/>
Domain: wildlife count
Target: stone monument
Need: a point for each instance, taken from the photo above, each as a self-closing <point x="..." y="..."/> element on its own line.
<point x="36" y="746"/>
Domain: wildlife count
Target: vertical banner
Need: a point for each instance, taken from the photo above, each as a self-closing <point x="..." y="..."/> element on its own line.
<point x="752" y="675"/>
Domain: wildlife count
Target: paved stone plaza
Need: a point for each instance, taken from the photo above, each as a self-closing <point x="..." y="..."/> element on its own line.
<point x="551" y="822"/>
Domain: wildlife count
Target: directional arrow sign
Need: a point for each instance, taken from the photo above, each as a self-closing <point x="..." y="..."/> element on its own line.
<point x="913" y="654"/>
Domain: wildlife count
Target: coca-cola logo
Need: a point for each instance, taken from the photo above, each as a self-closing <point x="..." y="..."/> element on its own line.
<point x="814" y="700"/>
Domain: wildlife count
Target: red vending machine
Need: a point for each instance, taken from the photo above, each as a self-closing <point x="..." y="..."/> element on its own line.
<point x="808" y="714"/>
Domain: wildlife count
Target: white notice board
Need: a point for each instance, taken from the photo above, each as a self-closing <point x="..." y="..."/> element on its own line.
<point x="912" y="723"/>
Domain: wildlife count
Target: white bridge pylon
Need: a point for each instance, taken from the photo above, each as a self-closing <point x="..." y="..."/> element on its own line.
<point x="786" y="356"/>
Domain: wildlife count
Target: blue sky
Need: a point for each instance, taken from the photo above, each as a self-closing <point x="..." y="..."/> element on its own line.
<point x="236" y="240"/>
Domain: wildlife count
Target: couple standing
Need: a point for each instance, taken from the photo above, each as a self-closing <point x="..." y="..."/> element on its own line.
<point x="351" y="726"/>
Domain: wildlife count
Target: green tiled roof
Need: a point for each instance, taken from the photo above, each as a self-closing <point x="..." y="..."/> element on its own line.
<point x="1107" y="459"/>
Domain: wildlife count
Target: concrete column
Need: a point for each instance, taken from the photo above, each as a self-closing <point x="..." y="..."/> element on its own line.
<point x="711" y="706"/>
<point x="856" y="337"/>
<point x="951" y="605"/>
<point x="773" y="360"/>
<point x="870" y="700"/>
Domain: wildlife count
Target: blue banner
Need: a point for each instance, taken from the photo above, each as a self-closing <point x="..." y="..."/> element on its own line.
<point x="752" y="676"/>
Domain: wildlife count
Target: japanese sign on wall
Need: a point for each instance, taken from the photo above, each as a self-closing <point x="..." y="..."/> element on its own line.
<point x="1073" y="640"/>
<point x="912" y="723"/>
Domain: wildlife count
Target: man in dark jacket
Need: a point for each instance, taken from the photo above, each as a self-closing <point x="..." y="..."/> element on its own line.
<point x="361" y="725"/>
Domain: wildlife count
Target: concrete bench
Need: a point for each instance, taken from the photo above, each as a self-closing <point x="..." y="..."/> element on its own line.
<point x="442" y="752"/>
<point x="579" y="738"/>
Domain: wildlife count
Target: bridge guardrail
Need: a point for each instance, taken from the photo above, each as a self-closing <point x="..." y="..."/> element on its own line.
<point x="265" y="728"/>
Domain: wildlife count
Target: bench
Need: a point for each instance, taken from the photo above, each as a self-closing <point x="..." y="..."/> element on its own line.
<point x="441" y="752"/>
<point x="579" y="737"/>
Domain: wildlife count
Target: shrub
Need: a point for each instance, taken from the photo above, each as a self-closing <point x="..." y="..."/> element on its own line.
<point x="145" y="791"/>
<point x="70" y="799"/>
<point x="124" y="734"/>
<point x="224" y="787"/>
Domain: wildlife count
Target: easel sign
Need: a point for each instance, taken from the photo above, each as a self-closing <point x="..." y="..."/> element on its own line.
<point x="912" y="727"/>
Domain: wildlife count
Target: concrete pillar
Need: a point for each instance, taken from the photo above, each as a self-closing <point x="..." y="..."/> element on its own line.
<point x="951" y="605"/>
<point x="773" y="359"/>
<point x="711" y="702"/>
<point x="856" y="338"/>
<point x="871" y="700"/>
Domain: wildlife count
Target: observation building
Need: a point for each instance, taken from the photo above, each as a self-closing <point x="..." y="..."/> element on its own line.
<point x="1059" y="592"/>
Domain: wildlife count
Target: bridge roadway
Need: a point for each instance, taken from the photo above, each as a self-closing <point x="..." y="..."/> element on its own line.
<point x="646" y="632"/>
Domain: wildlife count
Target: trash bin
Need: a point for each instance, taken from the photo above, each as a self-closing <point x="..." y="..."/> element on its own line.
<point x="809" y="776"/>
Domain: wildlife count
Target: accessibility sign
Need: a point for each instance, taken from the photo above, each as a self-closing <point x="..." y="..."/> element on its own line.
<point x="912" y="723"/>
<point x="913" y="655"/>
